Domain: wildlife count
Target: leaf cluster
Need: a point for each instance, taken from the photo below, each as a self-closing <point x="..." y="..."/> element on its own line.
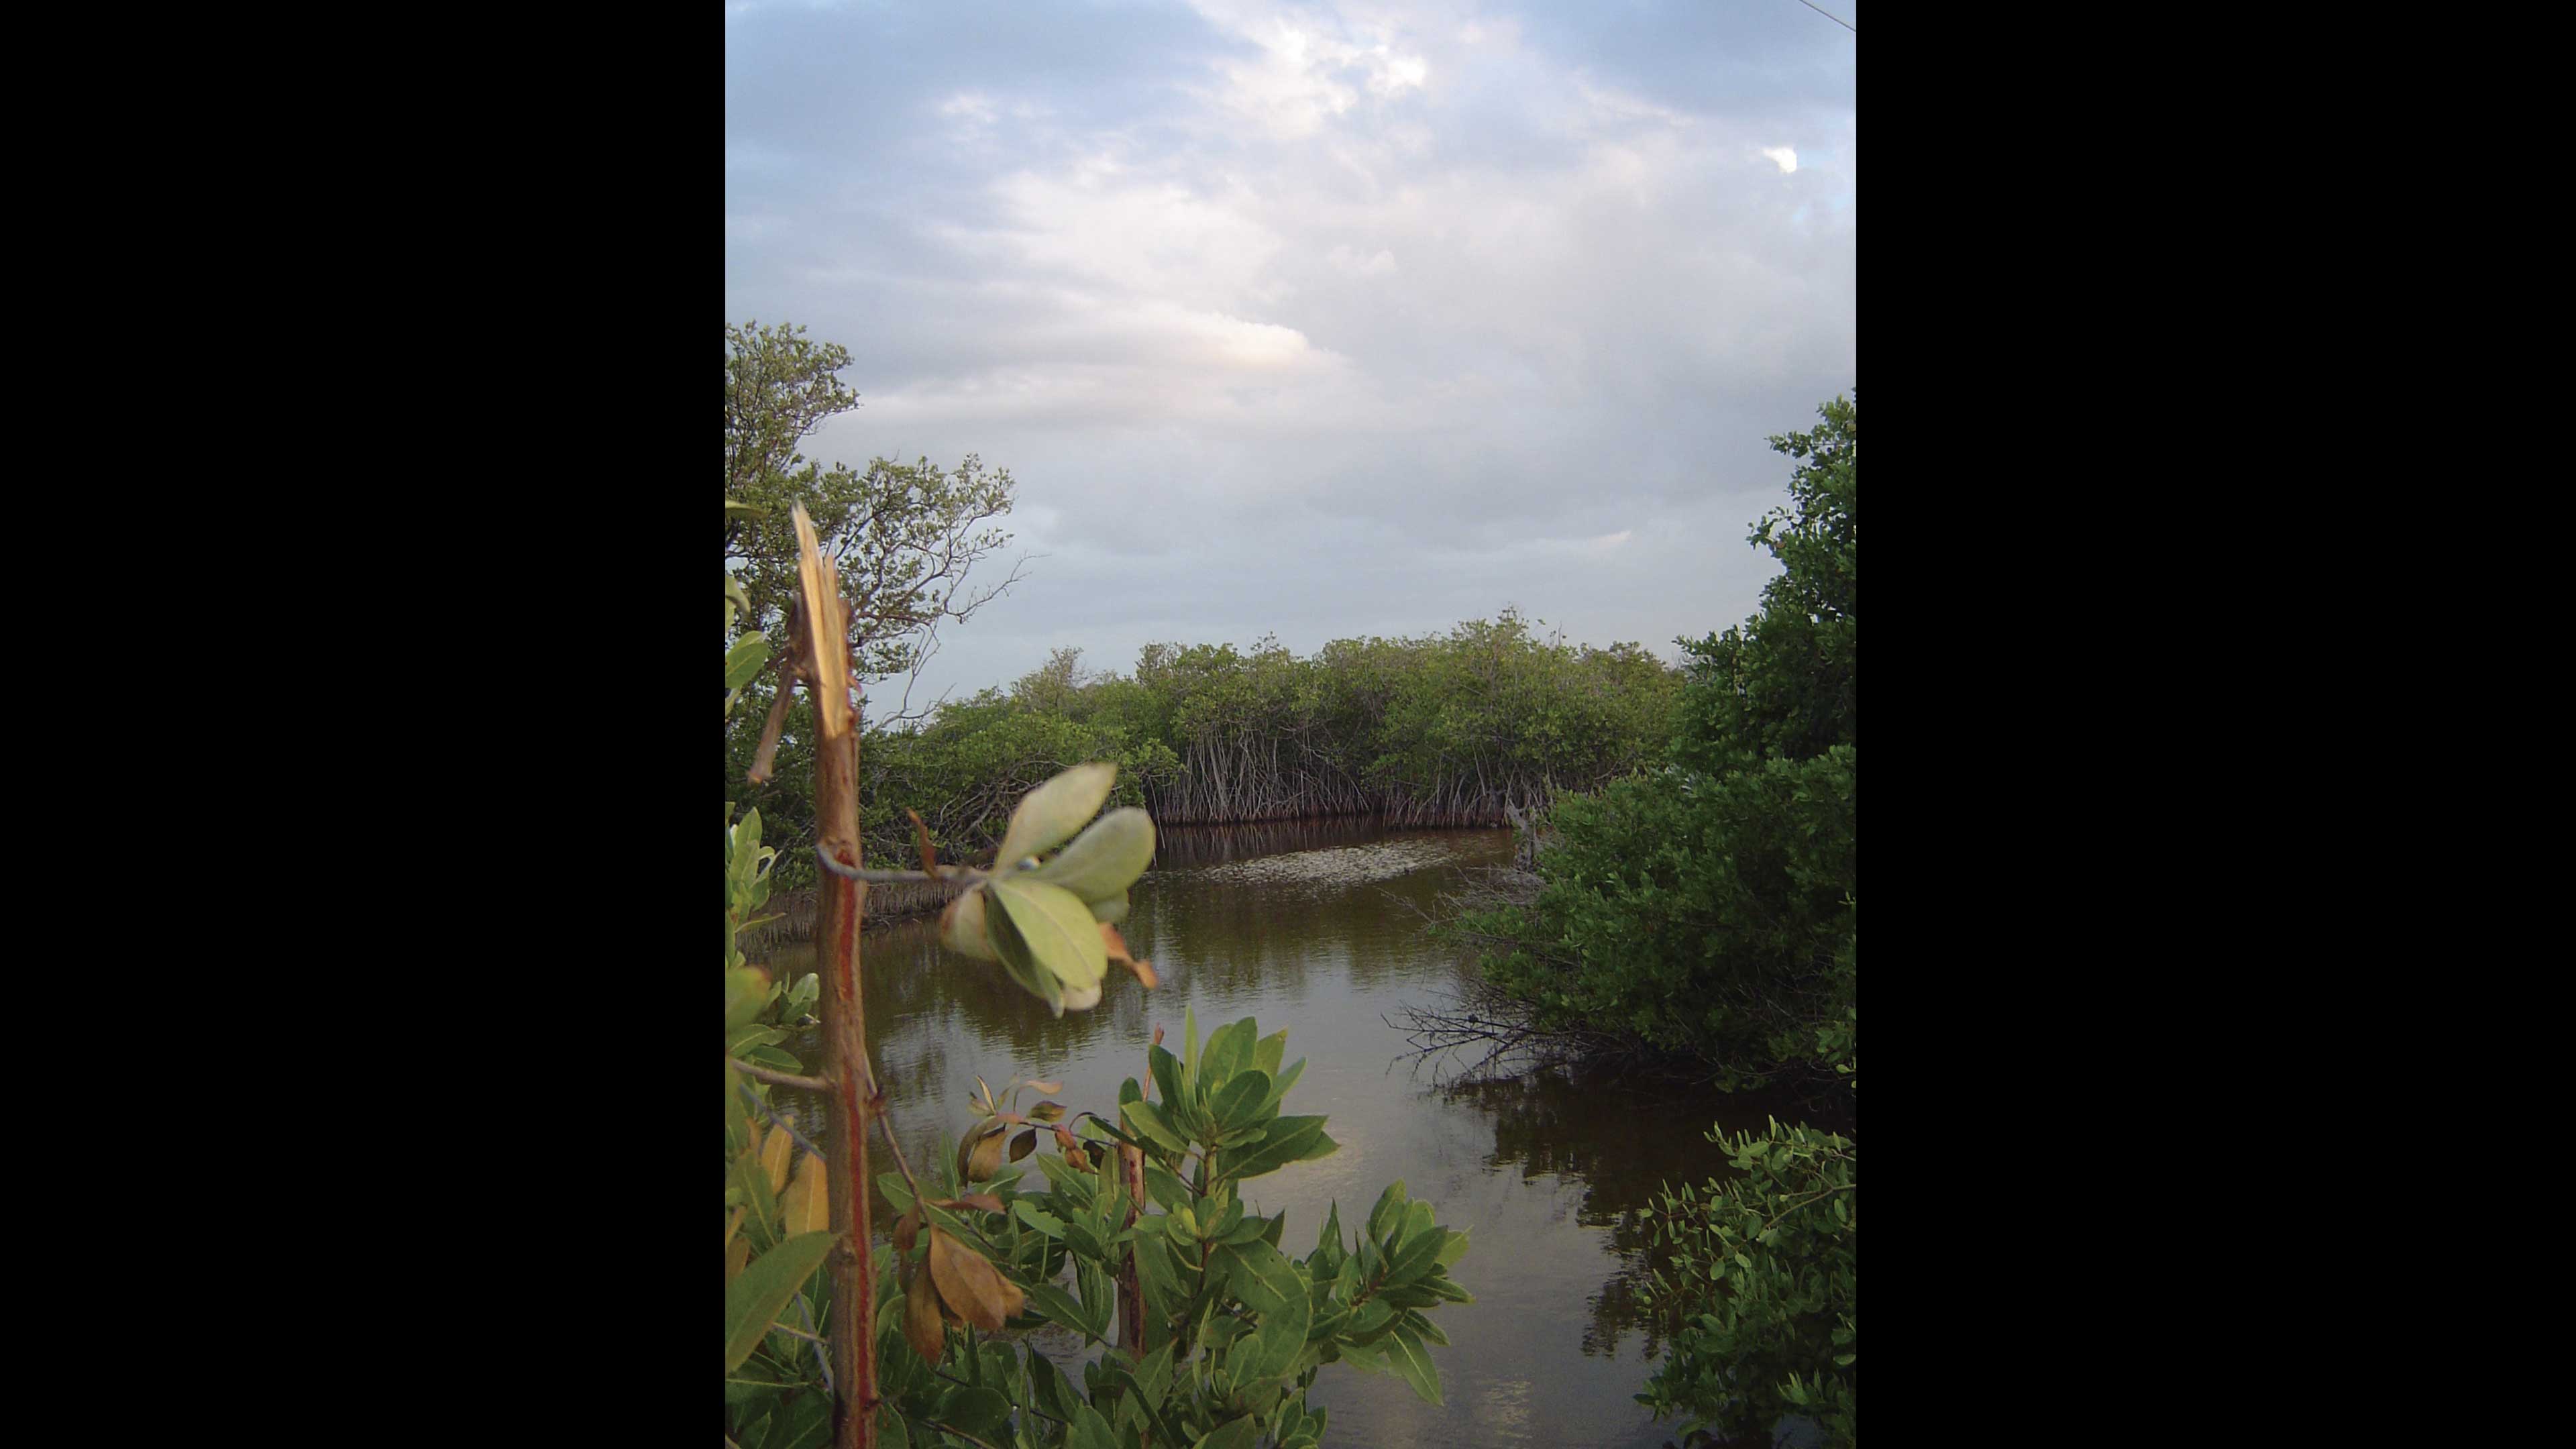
<point x="1761" y="1275"/>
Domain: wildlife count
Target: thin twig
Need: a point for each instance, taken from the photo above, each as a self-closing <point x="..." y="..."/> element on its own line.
<point x="783" y="1124"/>
<point x="823" y="1346"/>
<point x="778" y="1078"/>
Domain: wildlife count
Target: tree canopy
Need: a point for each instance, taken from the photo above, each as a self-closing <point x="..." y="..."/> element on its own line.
<point x="908" y="535"/>
<point x="1783" y="684"/>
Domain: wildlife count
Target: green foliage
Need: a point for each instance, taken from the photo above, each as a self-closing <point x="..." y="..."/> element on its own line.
<point x="1442" y="729"/>
<point x="1761" y="1275"/>
<point x="906" y="536"/>
<point x="1705" y="916"/>
<point x="1710" y="910"/>
<point x="1235" y="1330"/>
<point x="1784" y="684"/>
<point x="1048" y="922"/>
<point x="1232" y="1331"/>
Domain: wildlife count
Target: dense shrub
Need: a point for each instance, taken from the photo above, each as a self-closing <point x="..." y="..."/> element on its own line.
<point x="1763" y="1276"/>
<point x="1706" y="916"/>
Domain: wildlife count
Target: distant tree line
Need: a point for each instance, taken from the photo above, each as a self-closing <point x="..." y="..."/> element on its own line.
<point x="1444" y="729"/>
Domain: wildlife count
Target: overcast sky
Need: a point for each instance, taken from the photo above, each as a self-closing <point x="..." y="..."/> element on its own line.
<point x="1312" y="319"/>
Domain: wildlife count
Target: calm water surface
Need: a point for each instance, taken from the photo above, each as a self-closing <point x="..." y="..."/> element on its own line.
<point x="1315" y="928"/>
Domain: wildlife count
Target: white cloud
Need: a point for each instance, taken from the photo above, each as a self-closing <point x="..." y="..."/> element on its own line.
<point x="1409" y="306"/>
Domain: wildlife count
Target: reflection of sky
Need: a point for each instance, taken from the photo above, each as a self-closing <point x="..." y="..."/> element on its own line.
<point x="1323" y="944"/>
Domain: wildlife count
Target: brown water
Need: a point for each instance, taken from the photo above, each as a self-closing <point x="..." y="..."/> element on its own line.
<point x="1316" y="928"/>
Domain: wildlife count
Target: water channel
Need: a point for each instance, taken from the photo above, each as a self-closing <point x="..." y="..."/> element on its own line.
<point x="1318" y="928"/>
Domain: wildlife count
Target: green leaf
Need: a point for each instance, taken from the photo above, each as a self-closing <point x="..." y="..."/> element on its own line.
<point x="746" y="992"/>
<point x="1050" y="814"/>
<point x="1229" y="1050"/>
<point x="1012" y="949"/>
<point x="980" y="1412"/>
<point x="1269" y="1285"/>
<point x="1090" y="1431"/>
<point x="1106" y="859"/>
<point x="1146" y="1120"/>
<point x="1055" y="1303"/>
<point x="1412" y="1363"/>
<point x="1236" y="1434"/>
<point x="1239" y="1103"/>
<point x="753" y="1299"/>
<point x="1058" y="931"/>
<point x="1291" y="1139"/>
<point x="1167" y="1073"/>
<point x="1037" y="1217"/>
<point x="1389" y="1212"/>
<point x="743" y="660"/>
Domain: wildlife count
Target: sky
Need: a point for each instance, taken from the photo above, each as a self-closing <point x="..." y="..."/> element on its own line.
<point x="1313" y="320"/>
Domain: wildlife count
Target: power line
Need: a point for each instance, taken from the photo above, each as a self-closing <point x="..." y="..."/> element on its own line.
<point x="1829" y="15"/>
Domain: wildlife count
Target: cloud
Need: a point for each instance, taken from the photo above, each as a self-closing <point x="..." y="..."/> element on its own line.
<point x="1331" y="318"/>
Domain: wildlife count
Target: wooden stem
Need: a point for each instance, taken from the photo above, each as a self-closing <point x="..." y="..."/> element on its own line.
<point x="836" y="934"/>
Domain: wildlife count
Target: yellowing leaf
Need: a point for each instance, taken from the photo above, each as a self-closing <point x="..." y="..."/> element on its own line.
<point x="775" y="1149"/>
<point x="921" y="1326"/>
<point x="973" y="1292"/>
<point x="1049" y="815"/>
<point x="1116" y="946"/>
<point x="737" y="1253"/>
<point x="809" y="1198"/>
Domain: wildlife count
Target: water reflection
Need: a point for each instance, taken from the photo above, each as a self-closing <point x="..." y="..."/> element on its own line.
<point x="1320" y="929"/>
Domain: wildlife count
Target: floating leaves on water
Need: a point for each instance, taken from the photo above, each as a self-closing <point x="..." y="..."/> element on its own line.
<point x="1049" y="815"/>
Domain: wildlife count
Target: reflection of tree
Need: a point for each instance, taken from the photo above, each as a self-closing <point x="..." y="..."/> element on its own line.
<point x="1623" y="1142"/>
